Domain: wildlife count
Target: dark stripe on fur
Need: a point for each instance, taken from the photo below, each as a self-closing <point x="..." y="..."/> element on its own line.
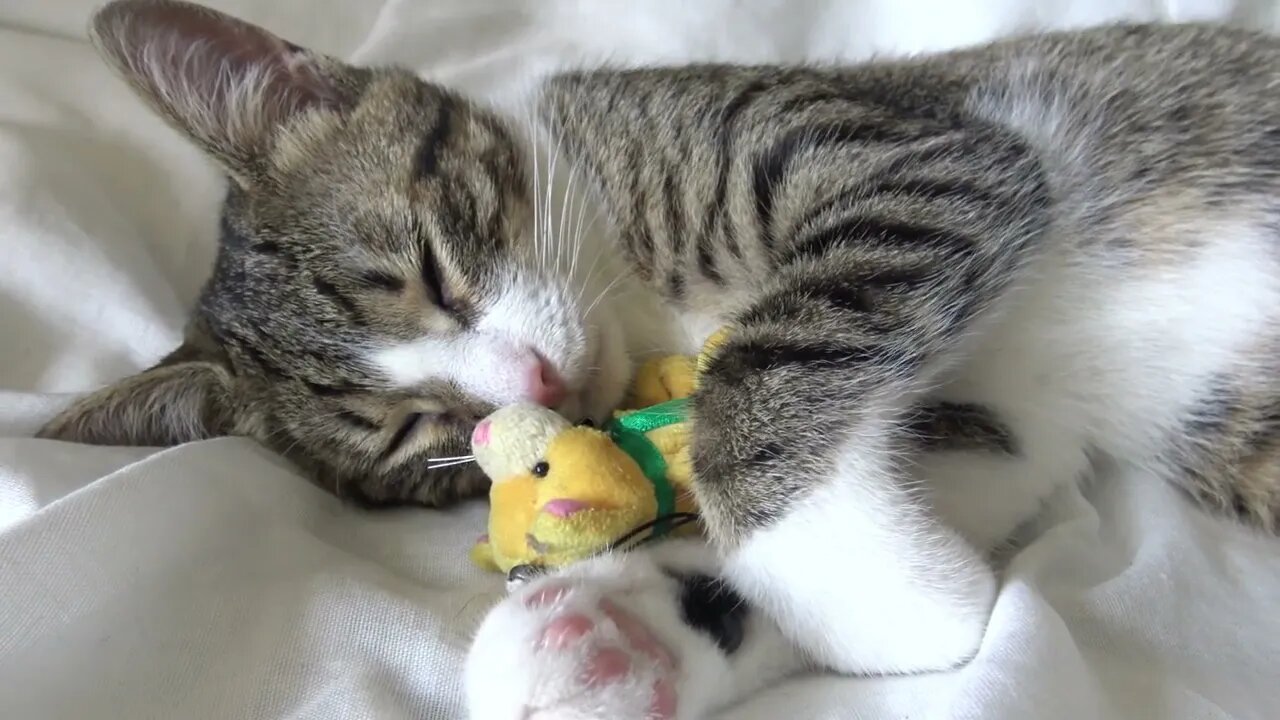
<point x="675" y="286"/>
<point x="863" y="297"/>
<point x="233" y="341"/>
<point x="707" y="264"/>
<point x="674" y="216"/>
<point x="428" y="157"/>
<point x="960" y="426"/>
<point x="324" y="390"/>
<point x="740" y="359"/>
<point x="715" y="210"/>
<point x="925" y="189"/>
<point x="878" y="232"/>
<point x="331" y="291"/>
<point x="383" y="281"/>
<point x="935" y="189"/>
<point x="229" y="236"/>
<point x="407" y="426"/>
<point x="427" y="265"/>
<point x="641" y="235"/>
<point x="771" y="166"/>
<point x="769" y="452"/>
<point x="357" y="421"/>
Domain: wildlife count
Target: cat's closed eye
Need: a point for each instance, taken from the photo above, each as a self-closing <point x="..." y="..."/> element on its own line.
<point x="382" y="280"/>
<point x="407" y="426"/>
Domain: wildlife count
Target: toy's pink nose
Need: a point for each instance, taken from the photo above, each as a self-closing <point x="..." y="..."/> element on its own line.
<point x="564" y="507"/>
<point x="480" y="436"/>
<point x="543" y="384"/>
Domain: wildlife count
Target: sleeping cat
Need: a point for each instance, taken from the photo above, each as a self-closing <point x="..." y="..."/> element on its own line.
<point x="955" y="283"/>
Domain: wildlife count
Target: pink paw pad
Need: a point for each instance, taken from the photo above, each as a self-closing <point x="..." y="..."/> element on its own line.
<point x="663" y="705"/>
<point x="606" y="665"/>
<point x="609" y="658"/>
<point x="637" y="634"/>
<point x="564" y="630"/>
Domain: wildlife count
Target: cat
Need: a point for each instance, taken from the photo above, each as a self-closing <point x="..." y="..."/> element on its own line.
<point x="955" y="284"/>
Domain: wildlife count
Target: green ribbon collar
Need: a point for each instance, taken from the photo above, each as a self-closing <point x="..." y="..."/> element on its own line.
<point x="629" y="432"/>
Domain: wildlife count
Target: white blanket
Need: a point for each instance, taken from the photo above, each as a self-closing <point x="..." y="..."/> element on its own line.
<point x="212" y="581"/>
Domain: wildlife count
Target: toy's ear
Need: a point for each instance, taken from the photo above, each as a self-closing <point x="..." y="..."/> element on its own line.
<point x="514" y="438"/>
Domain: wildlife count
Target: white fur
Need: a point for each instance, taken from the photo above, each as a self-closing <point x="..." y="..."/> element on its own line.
<point x="863" y="578"/>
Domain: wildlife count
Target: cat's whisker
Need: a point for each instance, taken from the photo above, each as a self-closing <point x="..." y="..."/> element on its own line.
<point x="603" y="293"/>
<point x="566" y="216"/>
<point x="534" y="144"/>
<point x="586" y="313"/>
<point x="591" y="273"/>
<point x="575" y="225"/>
<point x="580" y="233"/>
<point x="550" y="184"/>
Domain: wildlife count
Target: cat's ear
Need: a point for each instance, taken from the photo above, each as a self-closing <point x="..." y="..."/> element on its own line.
<point x="228" y="84"/>
<point x="185" y="397"/>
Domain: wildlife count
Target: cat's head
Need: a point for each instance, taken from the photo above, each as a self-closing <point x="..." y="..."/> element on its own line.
<point x="379" y="285"/>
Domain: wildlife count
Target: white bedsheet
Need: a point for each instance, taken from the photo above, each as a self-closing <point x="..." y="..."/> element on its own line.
<point x="212" y="581"/>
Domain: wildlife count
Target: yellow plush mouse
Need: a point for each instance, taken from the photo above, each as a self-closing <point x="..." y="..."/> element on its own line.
<point x="562" y="492"/>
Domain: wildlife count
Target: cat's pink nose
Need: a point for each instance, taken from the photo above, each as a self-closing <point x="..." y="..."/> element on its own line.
<point x="544" y="385"/>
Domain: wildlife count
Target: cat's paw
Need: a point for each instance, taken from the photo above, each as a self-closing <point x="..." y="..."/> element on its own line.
<point x="661" y="379"/>
<point x="607" y="638"/>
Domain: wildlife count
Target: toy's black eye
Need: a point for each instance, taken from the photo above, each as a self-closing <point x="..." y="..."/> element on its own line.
<point x="541" y="469"/>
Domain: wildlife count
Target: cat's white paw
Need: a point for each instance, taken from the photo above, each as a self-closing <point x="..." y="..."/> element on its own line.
<point x="608" y="639"/>
<point x="562" y="650"/>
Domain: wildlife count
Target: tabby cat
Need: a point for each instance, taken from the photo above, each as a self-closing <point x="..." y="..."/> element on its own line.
<point x="955" y="283"/>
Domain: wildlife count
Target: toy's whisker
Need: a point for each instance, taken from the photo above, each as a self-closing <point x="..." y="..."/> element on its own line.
<point x="453" y="457"/>
<point x="436" y="466"/>
<point x="672" y="521"/>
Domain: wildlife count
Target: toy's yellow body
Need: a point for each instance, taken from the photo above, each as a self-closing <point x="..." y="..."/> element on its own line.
<point x="561" y="492"/>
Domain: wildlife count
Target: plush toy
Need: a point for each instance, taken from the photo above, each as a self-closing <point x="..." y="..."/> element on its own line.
<point x="562" y="492"/>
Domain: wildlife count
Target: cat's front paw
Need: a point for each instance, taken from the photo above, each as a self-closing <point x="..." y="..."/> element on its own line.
<point x="560" y="650"/>
<point x="607" y="638"/>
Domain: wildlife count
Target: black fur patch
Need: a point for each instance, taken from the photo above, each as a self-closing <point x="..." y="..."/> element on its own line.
<point x="709" y="605"/>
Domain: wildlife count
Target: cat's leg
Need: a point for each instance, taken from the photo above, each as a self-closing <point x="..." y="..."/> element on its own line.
<point x="803" y="450"/>
<point x="651" y="635"/>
